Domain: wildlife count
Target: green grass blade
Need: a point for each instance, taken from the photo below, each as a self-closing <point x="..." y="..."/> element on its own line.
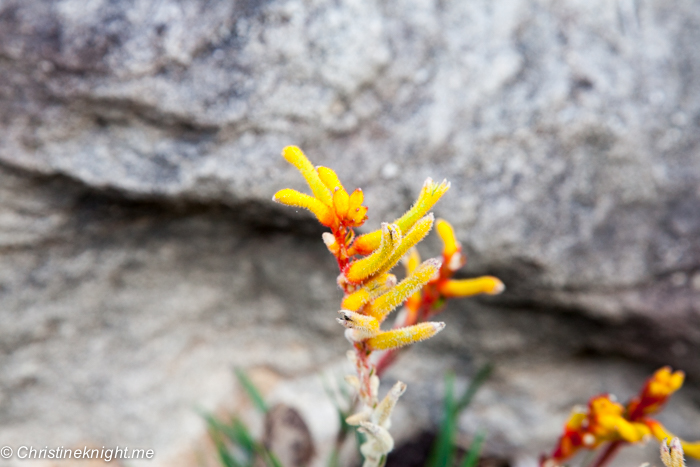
<point x="227" y="460"/>
<point x="443" y="447"/>
<point x="239" y="434"/>
<point x="272" y="459"/>
<point x="251" y="390"/>
<point x="471" y="459"/>
<point x="479" y="379"/>
<point x="225" y="456"/>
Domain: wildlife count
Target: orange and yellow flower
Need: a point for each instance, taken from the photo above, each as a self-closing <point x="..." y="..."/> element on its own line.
<point x="433" y="296"/>
<point x="371" y="292"/>
<point x="607" y="421"/>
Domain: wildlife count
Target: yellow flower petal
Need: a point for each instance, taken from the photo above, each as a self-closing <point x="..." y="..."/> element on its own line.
<point x="364" y="326"/>
<point x="341" y="201"/>
<point x="665" y="382"/>
<point x="447" y="235"/>
<point x="412" y="237"/>
<point x="293" y="198"/>
<point x="369" y="292"/>
<point x="576" y="419"/>
<point x="429" y="195"/>
<point x="412" y="260"/>
<point x="358" y="216"/>
<point x="329" y="178"/>
<point x="660" y="432"/>
<point x="356" y="199"/>
<point x="691" y="449"/>
<point x="386" y="303"/>
<point x="363" y="268"/>
<point x="631" y="432"/>
<point x="383" y="410"/>
<point x="296" y="157"/>
<point x="404" y="336"/>
<point x="468" y="287"/>
<point x="366" y="244"/>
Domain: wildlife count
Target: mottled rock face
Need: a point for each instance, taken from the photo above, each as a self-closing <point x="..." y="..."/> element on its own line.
<point x="140" y="255"/>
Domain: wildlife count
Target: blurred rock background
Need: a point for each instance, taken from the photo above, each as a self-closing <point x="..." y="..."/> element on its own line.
<point x="141" y="257"/>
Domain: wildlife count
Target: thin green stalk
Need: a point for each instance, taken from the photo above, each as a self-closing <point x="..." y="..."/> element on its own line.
<point x="251" y="390"/>
<point x="441" y="453"/>
<point x="471" y="459"/>
<point x="479" y="379"/>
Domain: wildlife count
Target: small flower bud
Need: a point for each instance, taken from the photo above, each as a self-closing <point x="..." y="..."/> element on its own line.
<point x="374" y="387"/>
<point x="330" y="242"/>
<point x="353" y="382"/>
<point x="359" y="417"/>
<point x="380" y="441"/>
<point x="382" y="412"/>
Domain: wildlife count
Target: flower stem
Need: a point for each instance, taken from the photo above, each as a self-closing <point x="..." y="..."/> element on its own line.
<point x="608" y="454"/>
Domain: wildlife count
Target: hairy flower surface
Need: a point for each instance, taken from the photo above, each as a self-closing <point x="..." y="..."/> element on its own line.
<point x="372" y="293"/>
<point x="431" y="298"/>
<point x="672" y="456"/>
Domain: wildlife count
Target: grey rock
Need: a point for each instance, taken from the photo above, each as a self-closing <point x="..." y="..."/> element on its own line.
<point x="141" y="256"/>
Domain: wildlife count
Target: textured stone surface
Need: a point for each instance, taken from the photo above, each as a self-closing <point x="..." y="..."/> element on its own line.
<point x="140" y="256"/>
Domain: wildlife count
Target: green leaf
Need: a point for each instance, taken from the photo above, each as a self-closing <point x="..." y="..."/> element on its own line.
<point x="443" y="448"/>
<point x="274" y="462"/>
<point x="251" y="390"/>
<point x="477" y="381"/>
<point x="239" y="434"/>
<point x="227" y="460"/>
<point x="471" y="459"/>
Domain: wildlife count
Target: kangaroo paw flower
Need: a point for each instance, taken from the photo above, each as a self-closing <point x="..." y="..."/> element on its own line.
<point x="359" y="417"/>
<point x="404" y="336"/>
<point x="410" y="239"/>
<point x="429" y="195"/>
<point x="447" y="234"/>
<point x="660" y="432"/>
<point x="605" y="421"/>
<point x="387" y="302"/>
<point x="353" y="381"/>
<point x="296" y="157"/>
<point x="363" y="326"/>
<point x="370" y="291"/>
<point x="294" y="198"/>
<point x="378" y="444"/>
<point x="329" y="178"/>
<point x="361" y="269"/>
<point x="382" y="413"/>
<point x="468" y="287"/>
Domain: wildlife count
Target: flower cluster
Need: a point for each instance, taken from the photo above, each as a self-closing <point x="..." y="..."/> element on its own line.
<point x="372" y="292"/>
<point x="431" y="299"/>
<point x="606" y="422"/>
